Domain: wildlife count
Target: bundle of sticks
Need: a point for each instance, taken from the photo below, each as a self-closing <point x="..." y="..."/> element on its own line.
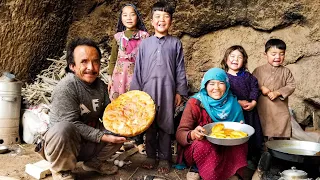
<point x="41" y="89"/>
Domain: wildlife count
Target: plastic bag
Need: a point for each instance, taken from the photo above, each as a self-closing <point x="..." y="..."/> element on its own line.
<point x="299" y="134"/>
<point x="35" y="122"/>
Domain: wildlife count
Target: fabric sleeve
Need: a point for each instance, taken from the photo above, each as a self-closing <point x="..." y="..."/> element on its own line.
<point x="65" y="106"/>
<point x="136" y="83"/>
<point x="187" y="123"/>
<point x="254" y="86"/>
<point x="255" y="73"/>
<point x="147" y="35"/>
<point x="181" y="80"/>
<point x="113" y="56"/>
<point x="290" y="86"/>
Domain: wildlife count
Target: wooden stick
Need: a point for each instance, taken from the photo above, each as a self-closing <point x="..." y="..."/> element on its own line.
<point x="157" y="175"/>
<point x="45" y="99"/>
<point x="177" y="174"/>
<point x="30" y="97"/>
<point x="57" y="61"/>
<point x="133" y="173"/>
<point x="126" y="154"/>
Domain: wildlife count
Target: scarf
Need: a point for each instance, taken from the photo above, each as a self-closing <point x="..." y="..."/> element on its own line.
<point x="227" y="107"/>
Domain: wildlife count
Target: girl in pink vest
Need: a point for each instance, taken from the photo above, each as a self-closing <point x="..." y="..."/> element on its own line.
<point x="130" y="32"/>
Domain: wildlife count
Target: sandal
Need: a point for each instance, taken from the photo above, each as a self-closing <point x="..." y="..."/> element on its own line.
<point x="149" y="163"/>
<point x="164" y="166"/>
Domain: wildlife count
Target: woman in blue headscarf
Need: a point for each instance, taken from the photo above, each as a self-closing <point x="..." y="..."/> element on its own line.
<point x="213" y="103"/>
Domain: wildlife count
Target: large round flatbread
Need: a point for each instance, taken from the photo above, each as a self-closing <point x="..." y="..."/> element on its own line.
<point x="130" y="114"/>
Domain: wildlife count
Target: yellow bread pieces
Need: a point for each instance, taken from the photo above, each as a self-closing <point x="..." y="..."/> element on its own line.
<point x="218" y="131"/>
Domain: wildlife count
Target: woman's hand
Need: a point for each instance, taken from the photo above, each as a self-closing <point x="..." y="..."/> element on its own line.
<point x="177" y="100"/>
<point x="197" y="133"/>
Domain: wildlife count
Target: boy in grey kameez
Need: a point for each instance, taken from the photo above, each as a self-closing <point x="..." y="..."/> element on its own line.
<point x="160" y="72"/>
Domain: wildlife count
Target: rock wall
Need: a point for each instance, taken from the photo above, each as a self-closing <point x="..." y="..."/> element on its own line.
<point x="31" y="31"/>
<point x="208" y="28"/>
<point x="302" y="57"/>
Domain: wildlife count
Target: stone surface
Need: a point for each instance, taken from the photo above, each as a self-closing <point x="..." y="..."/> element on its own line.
<point x="30" y="32"/>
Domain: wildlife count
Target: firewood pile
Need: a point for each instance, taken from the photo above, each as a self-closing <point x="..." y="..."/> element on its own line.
<point x="41" y="89"/>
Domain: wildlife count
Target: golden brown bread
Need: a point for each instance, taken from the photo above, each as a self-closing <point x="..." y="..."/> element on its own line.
<point x="217" y="127"/>
<point x="130" y="114"/>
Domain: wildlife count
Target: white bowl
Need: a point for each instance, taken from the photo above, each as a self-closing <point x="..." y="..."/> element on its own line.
<point x="230" y="125"/>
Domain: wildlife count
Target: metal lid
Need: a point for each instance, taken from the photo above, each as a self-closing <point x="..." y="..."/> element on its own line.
<point x="294" y="173"/>
<point x="9" y="84"/>
<point x="6" y="76"/>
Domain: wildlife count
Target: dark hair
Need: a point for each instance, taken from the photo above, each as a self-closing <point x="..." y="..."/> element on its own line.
<point x="278" y="43"/>
<point x="229" y="51"/>
<point x="162" y="6"/>
<point x="140" y="25"/>
<point x="79" y="42"/>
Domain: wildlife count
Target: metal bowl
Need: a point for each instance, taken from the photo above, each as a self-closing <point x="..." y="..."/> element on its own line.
<point x="3" y="149"/>
<point x="230" y="125"/>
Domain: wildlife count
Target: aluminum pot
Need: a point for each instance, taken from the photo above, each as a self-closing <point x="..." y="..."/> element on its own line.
<point x="230" y="125"/>
<point x="293" y="173"/>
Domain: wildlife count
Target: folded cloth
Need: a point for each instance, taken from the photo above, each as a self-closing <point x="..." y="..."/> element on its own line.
<point x="180" y="166"/>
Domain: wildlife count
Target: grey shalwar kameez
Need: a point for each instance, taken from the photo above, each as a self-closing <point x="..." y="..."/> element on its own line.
<point x="160" y="72"/>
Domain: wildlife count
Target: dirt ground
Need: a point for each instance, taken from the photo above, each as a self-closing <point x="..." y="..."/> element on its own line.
<point x="13" y="165"/>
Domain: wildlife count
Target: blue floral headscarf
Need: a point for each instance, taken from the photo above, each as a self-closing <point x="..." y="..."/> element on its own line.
<point x="227" y="107"/>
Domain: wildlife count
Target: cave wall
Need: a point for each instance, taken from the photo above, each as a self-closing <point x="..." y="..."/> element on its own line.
<point x="31" y="31"/>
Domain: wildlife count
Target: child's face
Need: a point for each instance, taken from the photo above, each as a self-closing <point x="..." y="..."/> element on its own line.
<point x="129" y="18"/>
<point x="216" y="89"/>
<point x="275" y="56"/>
<point x="161" y="22"/>
<point x="235" y="60"/>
